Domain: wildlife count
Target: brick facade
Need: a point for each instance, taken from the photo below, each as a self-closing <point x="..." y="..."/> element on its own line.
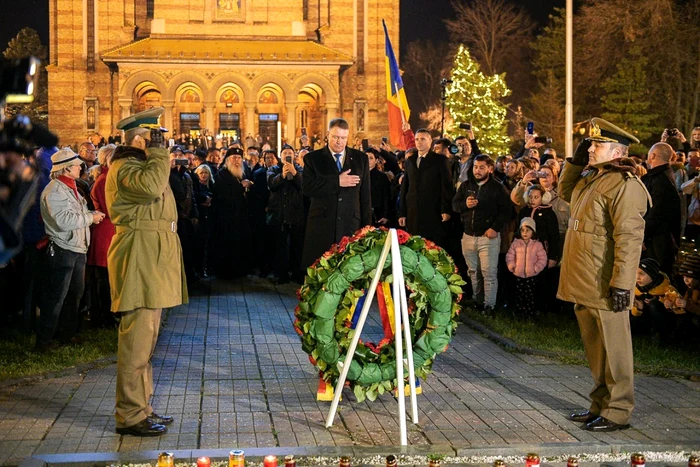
<point x="220" y="65"/>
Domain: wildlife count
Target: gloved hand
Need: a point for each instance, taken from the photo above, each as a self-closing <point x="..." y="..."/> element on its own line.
<point x="620" y="299"/>
<point x="581" y="153"/>
<point x="157" y="139"/>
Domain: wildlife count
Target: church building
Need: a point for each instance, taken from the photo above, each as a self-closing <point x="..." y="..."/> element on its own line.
<point x="220" y="68"/>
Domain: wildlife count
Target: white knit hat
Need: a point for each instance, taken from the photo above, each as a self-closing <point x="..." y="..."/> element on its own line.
<point x="529" y="222"/>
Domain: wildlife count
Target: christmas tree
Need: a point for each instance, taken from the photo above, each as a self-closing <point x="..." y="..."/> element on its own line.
<point x="476" y="98"/>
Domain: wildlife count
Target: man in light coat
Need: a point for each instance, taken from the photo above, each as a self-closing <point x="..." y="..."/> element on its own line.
<point x="67" y="222"/>
<point x="146" y="271"/>
<point x="601" y="253"/>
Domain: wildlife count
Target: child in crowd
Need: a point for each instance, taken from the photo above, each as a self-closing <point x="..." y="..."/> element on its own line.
<point x="526" y="258"/>
<point x="690" y="302"/>
<point x="654" y="289"/>
<point x="539" y="209"/>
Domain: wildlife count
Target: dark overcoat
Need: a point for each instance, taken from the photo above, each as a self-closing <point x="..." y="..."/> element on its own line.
<point x="335" y="211"/>
<point x="426" y="193"/>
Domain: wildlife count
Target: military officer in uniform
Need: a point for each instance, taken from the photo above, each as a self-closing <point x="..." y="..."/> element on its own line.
<point x="601" y="254"/>
<point x="144" y="261"/>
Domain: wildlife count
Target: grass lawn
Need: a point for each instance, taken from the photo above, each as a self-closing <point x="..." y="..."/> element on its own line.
<point x="560" y="333"/>
<point x="18" y="359"/>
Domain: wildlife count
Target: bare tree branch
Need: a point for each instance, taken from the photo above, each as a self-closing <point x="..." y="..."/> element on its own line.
<point x="493" y="30"/>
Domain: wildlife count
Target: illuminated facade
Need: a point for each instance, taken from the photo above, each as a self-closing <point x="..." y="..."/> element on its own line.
<point x="224" y="66"/>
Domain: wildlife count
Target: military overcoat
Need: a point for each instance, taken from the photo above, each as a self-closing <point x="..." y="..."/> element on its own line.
<point x="145" y="258"/>
<point x="606" y="229"/>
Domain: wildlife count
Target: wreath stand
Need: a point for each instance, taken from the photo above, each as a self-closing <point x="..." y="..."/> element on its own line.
<point x="400" y="322"/>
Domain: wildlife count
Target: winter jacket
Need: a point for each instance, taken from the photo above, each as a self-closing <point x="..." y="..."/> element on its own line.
<point x="103" y="232"/>
<point x="32" y="226"/>
<point x="526" y="259"/>
<point x="604" y="240"/>
<point x="492" y="212"/>
<point x="654" y="291"/>
<point x="559" y="206"/>
<point x="547" y="230"/>
<point x="66" y="217"/>
<point x="286" y="203"/>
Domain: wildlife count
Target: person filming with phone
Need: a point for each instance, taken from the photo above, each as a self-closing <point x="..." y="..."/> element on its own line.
<point x="285" y="216"/>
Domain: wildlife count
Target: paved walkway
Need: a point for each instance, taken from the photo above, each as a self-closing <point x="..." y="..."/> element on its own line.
<point x="230" y="368"/>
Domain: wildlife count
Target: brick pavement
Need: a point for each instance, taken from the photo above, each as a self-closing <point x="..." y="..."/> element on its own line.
<point x="230" y="369"/>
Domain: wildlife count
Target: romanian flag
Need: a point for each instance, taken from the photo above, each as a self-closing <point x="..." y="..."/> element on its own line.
<point x="395" y="94"/>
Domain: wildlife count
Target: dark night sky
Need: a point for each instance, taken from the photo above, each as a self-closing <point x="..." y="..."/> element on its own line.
<point x="420" y="19"/>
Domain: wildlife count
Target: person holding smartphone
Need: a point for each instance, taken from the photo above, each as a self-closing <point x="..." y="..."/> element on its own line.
<point x="285" y="216"/>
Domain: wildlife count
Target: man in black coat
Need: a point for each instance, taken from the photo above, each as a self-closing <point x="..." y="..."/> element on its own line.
<point x="285" y="215"/>
<point x="662" y="228"/>
<point x="425" y="202"/>
<point x="336" y="179"/>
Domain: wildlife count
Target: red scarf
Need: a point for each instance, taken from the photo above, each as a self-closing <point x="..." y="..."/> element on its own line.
<point x="70" y="183"/>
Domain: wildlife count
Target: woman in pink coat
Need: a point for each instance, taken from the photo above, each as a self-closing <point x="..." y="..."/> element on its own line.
<point x="526" y="258"/>
<point x="101" y="235"/>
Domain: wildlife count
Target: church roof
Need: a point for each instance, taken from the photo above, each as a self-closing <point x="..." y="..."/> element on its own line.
<point x="226" y="51"/>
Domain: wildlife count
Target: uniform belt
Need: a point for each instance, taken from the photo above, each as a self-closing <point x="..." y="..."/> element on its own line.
<point x="587" y="227"/>
<point x="157" y="226"/>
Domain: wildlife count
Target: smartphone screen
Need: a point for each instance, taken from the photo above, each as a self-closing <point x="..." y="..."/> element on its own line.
<point x="530" y="128"/>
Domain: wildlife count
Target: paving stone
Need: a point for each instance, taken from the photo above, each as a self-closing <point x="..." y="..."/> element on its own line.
<point x="230" y="368"/>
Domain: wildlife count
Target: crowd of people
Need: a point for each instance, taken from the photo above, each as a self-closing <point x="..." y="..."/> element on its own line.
<point x="246" y="209"/>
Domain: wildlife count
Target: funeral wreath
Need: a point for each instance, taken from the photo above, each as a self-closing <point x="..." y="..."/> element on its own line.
<point x="336" y="281"/>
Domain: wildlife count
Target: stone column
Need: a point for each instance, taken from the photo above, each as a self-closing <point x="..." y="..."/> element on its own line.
<point x="167" y="118"/>
<point x="250" y="123"/>
<point x="331" y="112"/>
<point x="292" y="123"/>
<point x="125" y="107"/>
<point x="210" y="116"/>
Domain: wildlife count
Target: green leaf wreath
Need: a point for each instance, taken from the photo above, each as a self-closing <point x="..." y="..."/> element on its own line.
<point x="341" y="276"/>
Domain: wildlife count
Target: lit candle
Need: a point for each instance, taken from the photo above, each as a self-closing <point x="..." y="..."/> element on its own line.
<point x="203" y="461"/>
<point x="270" y="461"/>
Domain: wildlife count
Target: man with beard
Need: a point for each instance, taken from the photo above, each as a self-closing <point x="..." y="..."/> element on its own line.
<point x="145" y="267"/>
<point x="336" y="178"/>
<point x="426" y="193"/>
<point x="484" y="206"/>
<point x="231" y="231"/>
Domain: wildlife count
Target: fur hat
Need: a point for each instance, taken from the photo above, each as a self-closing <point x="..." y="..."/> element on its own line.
<point x="528" y="222"/>
<point x="650" y="266"/>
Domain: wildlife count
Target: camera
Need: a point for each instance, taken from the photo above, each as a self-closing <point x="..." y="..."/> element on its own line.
<point x="385" y="140"/>
<point x="465" y="126"/>
<point x="543" y="139"/>
<point x="540" y="174"/>
<point x="671" y="131"/>
<point x="471" y="194"/>
<point x="288" y="159"/>
<point x="453" y="149"/>
<point x="181" y="162"/>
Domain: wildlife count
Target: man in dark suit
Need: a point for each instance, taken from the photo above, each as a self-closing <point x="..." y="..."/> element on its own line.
<point x="336" y="179"/>
<point x="425" y="202"/>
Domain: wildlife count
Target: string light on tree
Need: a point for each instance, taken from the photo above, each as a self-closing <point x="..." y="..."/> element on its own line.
<point x="477" y="98"/>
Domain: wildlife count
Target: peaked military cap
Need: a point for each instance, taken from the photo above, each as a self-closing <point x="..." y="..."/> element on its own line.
<point x="605" y="132"/>
<point x="146" y="119"/>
